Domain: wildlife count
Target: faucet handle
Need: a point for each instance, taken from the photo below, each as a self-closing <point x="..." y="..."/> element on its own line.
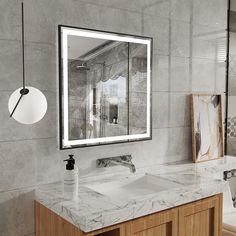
<point x="127" y="158"/>
<point x="106" y="162"/>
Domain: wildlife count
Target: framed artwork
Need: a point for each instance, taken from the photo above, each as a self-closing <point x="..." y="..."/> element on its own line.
<point x="207" y="128"/>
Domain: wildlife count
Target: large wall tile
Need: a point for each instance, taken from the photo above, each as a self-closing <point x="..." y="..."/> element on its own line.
<point x="232" y="85"/>
<point x="213" y="12"/>
<point x="204" y="48"/>
<point x="231" y="104"/>
<point x="209" y="42"/>
<point x="49" y="161"/>
<point x="167" y="145"/>
<point x="158" y="28"/>
<point x="10" y="64"/>
<point x="17" y="164"/>
<point x="160" y="110"/>
<point x="40" y="65"/>
<point x="220" y="78"/>
<point x="10" y="19"/>
<point x="208" y="76"/>
<point x="42" y="18"/>
<point x="180" y="38"/>
<point x="232" y="21"/>
<point x="12" y="130"/>
<point x="180" y="74"/>
<point x="160" y="73"/>
<point x="179" y="110"/>
<point x="92" y="16"/>
<point x="155" y="7"/>
<point x="88" y="157"/>
<point x="41" y="28"/>
<point x="180" y="144"/>
<point x="163" y="144"/>
<point x="203" y="75"/>
<point x="158" y="8"/>
<point x="181" y="10"/>
<point x="17" y="212"/>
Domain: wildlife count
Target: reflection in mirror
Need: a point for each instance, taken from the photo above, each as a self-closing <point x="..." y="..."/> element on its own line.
<point x="106" y="87"/>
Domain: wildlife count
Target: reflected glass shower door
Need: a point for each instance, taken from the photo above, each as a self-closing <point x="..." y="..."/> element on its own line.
<point x="109" y="78"/>
<point x="108" y="92"/>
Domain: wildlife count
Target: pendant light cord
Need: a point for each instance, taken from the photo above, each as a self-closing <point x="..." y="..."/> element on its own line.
<point x="23" y="43"/>
<point x="23" y="91"/>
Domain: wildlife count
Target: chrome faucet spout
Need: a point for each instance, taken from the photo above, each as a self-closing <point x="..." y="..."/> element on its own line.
<point x="120" y="160"/>
<point x="128" y="164"/>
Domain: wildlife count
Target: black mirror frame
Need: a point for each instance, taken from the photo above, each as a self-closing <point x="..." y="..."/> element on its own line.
<point x="60" y="94"/>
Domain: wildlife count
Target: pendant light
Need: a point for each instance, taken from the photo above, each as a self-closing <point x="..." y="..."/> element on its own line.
<point x="27" y="105"/>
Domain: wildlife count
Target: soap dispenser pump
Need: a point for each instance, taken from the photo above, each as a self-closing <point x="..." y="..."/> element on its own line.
<point x="70" y="179"/>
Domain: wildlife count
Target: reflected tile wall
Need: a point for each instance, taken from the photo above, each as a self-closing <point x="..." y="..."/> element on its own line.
<point x="186" y="36"/>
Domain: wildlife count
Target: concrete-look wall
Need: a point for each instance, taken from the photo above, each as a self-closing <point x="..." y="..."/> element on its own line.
<point x="185" y="60"/>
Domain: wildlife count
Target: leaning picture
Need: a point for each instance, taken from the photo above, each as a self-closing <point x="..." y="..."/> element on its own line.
<point x="207" y="132"/>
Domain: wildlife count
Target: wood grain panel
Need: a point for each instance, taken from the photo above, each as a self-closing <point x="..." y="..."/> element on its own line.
<point x="202" y="218"/>
<point x="162" y="230"/>
<point x="163" y="223"/>
<point x="49" y="223"/>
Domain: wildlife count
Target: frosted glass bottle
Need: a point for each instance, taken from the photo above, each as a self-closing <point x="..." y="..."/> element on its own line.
<point x="71" y="181"/>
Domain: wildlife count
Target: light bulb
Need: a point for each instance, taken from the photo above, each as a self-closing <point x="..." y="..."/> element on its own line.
<point x="31" y="108"/>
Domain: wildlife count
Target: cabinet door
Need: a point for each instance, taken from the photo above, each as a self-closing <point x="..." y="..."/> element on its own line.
<point x="158" y="224"/>
<point x="49" y="223"/>
<point x="202" y="218"/>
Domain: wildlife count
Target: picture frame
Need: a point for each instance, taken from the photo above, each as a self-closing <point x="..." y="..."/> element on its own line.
<point x="207" y="135"/>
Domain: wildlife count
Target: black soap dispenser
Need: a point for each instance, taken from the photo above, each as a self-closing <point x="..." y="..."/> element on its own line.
<point x="71" y="183"/>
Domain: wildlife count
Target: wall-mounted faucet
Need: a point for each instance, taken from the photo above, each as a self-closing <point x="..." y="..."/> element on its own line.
<point x="228" y="174"/>
<point x="125" y="160"/>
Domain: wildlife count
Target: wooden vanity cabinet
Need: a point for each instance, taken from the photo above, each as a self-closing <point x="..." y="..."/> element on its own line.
<point x="49" y="223"/>
<point x="200" y="218"/>
<point x="162" y="224"/>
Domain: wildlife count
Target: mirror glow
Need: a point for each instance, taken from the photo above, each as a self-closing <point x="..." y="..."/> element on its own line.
<point x="105" y="80"/>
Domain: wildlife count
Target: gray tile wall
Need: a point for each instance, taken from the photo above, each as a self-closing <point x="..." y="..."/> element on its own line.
<point x="186" y="34"/>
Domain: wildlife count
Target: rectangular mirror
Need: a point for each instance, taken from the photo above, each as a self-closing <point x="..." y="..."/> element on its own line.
<point x="105" y="87"/>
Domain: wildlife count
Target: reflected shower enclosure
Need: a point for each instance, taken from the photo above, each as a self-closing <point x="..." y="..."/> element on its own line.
<point x="105" y="87"/>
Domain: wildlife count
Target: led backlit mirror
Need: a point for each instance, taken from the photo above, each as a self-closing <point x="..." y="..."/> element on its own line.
<point x="105" y="87"/>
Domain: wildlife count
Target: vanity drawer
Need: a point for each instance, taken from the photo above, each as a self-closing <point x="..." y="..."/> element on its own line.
<point x="201" y="218"/>
<point x="163" y="223"/>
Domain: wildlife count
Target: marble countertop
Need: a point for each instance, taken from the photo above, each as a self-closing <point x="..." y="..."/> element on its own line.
<point x="92" y="210"/>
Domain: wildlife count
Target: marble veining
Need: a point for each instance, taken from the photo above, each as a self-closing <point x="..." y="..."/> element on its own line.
<point x="92" y="210"/>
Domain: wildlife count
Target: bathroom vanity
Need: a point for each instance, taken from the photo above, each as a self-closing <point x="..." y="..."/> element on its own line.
<point x="203" y="218"/>
<point x="105" y="98"/>
<point x="184" y="199"/>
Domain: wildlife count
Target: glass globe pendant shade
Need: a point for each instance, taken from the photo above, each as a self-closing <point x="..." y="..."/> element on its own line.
<point x="31" y="108"/>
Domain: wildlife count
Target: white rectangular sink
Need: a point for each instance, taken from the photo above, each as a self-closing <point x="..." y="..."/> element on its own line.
<point x="133" y="187"/>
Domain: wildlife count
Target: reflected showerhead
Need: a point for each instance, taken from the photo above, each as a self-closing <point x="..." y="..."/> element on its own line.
<point x="82" y="67"/>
